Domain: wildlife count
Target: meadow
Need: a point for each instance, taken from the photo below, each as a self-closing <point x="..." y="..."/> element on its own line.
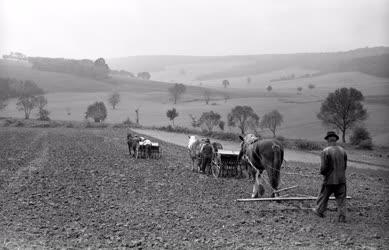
<point x="68" y="97"/>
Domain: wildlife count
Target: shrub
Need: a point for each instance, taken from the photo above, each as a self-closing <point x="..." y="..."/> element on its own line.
<point x="43" y="115"/>
<point x="358" y="135"/>
<point x="307" y="145"/>
<point x="365" y="144"/>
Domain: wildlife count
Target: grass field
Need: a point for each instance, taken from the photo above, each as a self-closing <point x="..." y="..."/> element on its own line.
<point x="78" y="188"/>
<point x="74" y="94"/>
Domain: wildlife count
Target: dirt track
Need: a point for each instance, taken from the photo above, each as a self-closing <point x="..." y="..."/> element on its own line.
<point x="63" y="188"/>
<point x="290" y="155"/>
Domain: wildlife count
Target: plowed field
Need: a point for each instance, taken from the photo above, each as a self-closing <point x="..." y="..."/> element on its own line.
<point x="78" y="188"/>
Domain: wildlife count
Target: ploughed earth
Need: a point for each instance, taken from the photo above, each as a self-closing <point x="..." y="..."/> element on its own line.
<point x="79" y="188"/>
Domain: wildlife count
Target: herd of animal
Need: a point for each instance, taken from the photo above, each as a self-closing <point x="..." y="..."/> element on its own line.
<point x="258" y="154"/>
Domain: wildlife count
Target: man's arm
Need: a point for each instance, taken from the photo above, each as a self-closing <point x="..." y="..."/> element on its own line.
<point x="325" y="167"/>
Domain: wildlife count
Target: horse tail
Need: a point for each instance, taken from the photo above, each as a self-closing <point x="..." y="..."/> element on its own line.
<point x="274" y="173"/>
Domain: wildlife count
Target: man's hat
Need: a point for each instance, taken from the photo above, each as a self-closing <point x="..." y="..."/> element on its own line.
<point x="207" y="140"/>
<point x="331" y="134"/>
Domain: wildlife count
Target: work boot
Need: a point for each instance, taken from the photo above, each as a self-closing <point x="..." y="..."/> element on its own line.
<point x="314" y="210"/>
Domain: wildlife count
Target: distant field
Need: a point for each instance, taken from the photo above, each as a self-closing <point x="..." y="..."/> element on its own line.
<point x="73" y="93"/>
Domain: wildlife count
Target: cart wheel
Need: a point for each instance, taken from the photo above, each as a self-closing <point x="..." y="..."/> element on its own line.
<point x="216" y="170"/>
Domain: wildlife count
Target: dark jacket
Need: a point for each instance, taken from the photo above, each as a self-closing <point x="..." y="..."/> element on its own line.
<point x="333" y="165"/>
<point x="207" y="150"/>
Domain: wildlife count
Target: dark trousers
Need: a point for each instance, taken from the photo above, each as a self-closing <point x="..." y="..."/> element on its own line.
<point x="205" y="161"/>
<point x="340" y="192"/>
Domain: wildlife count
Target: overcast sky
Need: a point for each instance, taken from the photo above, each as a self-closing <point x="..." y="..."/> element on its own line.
<point x="93" y="28"/>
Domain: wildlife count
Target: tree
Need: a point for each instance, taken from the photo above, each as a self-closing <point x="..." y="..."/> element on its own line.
<point x="176" y="91"/>
<point x="311" y="86"/>
<point x="226" y="83"/>
<point x="243" y="117"/>
<point x="101" y="68"/>
<point x="271" y="121"/>
<point x="172" y="114"/>
<point x="137" y="115"/>
<point x="221" y="125"/>
<point x="114" y="99"/>
<point x="194" y="122"/>
<point x="269" y="88"/>
<point x="3" y="103"/>
<point x="144" y="75"/>
<point x="343" y="109"/>
<point x="43" y="114"/>
<point x="248" y="80"/>
<point x="26" y="104"/>
<point x="299" y="89"/>
<point x="210" y="120"/>
<point x="207" y="96"/>
<point x="41" y="101"/>
<point x="97" y="111"/>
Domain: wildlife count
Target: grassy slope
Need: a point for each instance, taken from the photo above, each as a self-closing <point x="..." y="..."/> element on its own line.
<point x="71" y="188"/>
<point x="299" y="110"/>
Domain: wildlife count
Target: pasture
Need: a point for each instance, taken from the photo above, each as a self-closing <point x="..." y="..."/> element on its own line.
<point x="77" y="188"/>
<point x="68" y="97"/>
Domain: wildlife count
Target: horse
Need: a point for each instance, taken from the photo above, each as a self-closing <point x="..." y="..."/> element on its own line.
<point x="133" y="143"/>
<point x="267" y="154"/>
<point x="194" y="148"/>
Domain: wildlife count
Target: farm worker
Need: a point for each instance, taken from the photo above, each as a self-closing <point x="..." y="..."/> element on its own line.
<point x="206" y="153"/>
<point x="333" y="168"/>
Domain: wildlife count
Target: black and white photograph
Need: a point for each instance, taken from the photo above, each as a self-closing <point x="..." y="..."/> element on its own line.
<point x="194" y="124"/>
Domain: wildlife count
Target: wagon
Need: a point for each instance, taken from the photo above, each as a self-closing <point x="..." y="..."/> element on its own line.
<point x="225" y="163"/>
<point x="152" y="150"/>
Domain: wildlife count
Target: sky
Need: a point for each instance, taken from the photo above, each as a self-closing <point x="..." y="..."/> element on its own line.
<point x="119" y="28"/>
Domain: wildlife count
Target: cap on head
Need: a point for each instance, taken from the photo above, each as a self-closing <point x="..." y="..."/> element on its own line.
<point x="207" y="140"/>
<point x="331" y="134"/>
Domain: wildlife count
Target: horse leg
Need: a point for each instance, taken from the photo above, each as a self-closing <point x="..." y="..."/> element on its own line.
<point x="257" y="187"/>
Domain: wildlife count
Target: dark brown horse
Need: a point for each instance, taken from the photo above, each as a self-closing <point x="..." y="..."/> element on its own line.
<point x="133" y="143"/>
<point x="262" y="155"/>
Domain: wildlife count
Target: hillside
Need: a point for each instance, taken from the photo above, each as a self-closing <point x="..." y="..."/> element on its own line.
<point x="54" y="82"/>
<point x="372" y="61"/>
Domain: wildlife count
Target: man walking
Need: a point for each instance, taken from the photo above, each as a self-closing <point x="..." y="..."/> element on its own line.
<point x="333" y="168"/>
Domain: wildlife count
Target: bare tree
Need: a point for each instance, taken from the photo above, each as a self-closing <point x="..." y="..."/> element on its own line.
<point x="299" y="89"/>
<point x="210" y="120"/>
<point x="343" y="109"/>
<point x="269" y="88"/>
<point x="137" y="115"/>
<point x="243" y="117"/>
<point x="26" y="104"/>
<point x="207" y="96"/>
<point x="271" y="121"/>
<point x="114" y="99"/>
<point x="172" y="114"/>
<point x="176" y="91"/>
<point x="226" y="83"/>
